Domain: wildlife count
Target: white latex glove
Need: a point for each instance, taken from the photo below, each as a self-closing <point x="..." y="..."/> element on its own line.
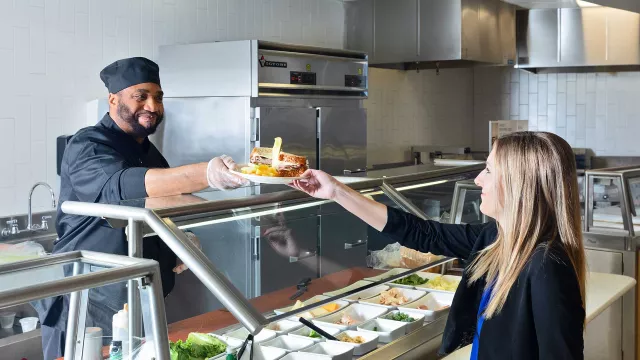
<point x="219" y="176"/>
<point x="181" y="267"/>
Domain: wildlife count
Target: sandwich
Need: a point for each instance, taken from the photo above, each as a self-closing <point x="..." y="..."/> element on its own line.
<point x="287" y="165"/>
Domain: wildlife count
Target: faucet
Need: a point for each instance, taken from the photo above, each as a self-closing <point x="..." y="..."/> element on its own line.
<point x="44" y="225"/>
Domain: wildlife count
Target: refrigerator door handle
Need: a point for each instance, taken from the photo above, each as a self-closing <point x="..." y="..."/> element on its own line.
<point x="354" y="171"/>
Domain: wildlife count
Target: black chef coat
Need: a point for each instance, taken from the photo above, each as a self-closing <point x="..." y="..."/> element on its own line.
<point x="103" y="164"/>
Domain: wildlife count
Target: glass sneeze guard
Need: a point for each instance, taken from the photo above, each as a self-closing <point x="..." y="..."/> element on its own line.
<point x="281" y="239"/>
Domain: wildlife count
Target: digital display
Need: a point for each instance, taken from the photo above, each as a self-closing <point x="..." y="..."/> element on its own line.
<point x="303" y="78"/>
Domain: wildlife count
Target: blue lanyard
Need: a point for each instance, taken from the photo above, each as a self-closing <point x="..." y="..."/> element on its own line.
<point x="486" y="296"/>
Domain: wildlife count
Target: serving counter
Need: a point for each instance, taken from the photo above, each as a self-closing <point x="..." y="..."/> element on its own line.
<point x="260" y="244"/>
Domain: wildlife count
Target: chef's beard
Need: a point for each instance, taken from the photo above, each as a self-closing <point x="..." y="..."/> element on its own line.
<point x="138" y="130"/>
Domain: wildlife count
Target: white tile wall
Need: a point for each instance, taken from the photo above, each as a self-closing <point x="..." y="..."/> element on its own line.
<point x="599" y="111"/>
<point x="408" y="108"/>
<point x="52" y="51"/>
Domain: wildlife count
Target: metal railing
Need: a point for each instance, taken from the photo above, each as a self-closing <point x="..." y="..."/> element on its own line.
<point x="118" y="269"/>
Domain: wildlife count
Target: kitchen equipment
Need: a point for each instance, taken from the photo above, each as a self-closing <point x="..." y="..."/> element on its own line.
<point x="421" y="34"/>
<point x="387" y="330"/>
<point x="28" y="324"/>
<point x="317" y="329"/>
<point x="370" y="341"/>
<point x="305" y="331"/>
<point x="7" y="319"/>
<point x="418" y="319"/>
<point x="334" y="350"/>
<point x="289" y="343"/>
<point x="92" y="344"/>
<point x="229" y="97"/>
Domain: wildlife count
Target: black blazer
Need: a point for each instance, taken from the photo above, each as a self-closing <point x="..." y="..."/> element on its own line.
<point x="543" y="316"/>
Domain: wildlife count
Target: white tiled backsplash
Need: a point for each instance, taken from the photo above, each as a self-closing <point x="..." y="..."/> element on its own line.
<point x="408" y="108"/>
<point x="52" y="51"/>
<point x="599" y="111"/>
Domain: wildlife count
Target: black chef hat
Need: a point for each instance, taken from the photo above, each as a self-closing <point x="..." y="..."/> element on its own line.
<point x="128" y="72"/>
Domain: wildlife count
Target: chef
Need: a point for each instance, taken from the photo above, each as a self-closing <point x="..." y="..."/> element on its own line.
<point x="115" y="161"/>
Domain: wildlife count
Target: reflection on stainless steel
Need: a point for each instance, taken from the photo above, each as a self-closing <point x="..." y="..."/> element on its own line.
<point x="184" y="249"/>
<point x="578" y="37"/>
<point x="120" y="268"/>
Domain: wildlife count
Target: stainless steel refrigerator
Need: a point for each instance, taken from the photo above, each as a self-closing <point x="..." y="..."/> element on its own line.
<point x="228" y="97"/>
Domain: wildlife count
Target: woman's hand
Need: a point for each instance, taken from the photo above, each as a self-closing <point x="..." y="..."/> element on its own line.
<point x="318" y="184"/>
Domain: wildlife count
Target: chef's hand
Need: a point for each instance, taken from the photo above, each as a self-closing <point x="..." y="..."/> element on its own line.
<point x="181" y="267"/>
<point x="317" y="184"/>
<point x="219" y="176"/>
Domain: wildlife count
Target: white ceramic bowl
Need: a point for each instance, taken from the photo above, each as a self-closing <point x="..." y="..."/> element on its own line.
<point x="360" y="313"/>
<point x="444" y="277"/>
<point x="336" y="350"/>
<point x="316" y="312"/>
<point x="264" y="353"/>
<point x="423" y="275"/>
<point x="304" y="333"/>
<point x="7" y="319"/>
<point x="289" y="343"/>
<point x="387" y="330"/>
<point x="417" y="323"/>
<point x="437" y="305"/>
<point x="411" y="295"/>
<point x="284" y="326"/>
<point x="367" y="294"/>
<point x="242" y="333"/>
<point x="305" y="356"/>
<point x="370" y="344"/>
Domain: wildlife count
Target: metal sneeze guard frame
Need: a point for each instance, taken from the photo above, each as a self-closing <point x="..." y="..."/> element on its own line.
<point x="159" y="221"/>
<point x="119" y="268"/>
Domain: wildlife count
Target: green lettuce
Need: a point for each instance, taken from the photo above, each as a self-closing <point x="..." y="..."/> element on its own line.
<point x="197" y="347"/>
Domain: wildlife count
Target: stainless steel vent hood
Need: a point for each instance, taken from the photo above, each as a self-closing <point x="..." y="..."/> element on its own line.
<point x="410" y="34"/>
<point x="629" y="5"/>
<point x="587" y="39"/>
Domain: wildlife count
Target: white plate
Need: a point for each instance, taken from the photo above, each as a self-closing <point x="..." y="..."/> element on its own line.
<point x="387" y="330"/>
<point x="289" y="343"/>
<point x="370" y="341"/>
<point x="432" y="301"/>
<point x="242" y="333"/>
<point x="411" y="326"/>
<point x="285" y="326"/>
<point x="264" y="353"/>
<point x="424" y="275"/>
<point x="304" y="332"/>
<point x="355" y="285"/>
<point x="336" y="350"/>
<point x="263" y="179"/>
<point x="388" y="274"/>
<point x="317" y="312"/>
<point x="411" y="295"/>
<point x="445" y="277"/>
<point x="358" y="312"/>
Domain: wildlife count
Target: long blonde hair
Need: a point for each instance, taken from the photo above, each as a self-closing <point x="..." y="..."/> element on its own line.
<point x="538" y="189"/>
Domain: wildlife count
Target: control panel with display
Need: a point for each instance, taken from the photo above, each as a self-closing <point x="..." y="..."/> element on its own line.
<point x="303" y="78"/>
<point x="354" y="80"/>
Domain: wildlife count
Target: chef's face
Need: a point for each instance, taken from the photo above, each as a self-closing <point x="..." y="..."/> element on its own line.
<point x="140" y="108"/>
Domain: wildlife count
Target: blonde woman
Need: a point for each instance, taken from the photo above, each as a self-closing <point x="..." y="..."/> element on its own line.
<point x="523" y="294"/>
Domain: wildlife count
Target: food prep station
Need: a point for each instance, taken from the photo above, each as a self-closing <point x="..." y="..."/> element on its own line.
<point x="221" y="223"/>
